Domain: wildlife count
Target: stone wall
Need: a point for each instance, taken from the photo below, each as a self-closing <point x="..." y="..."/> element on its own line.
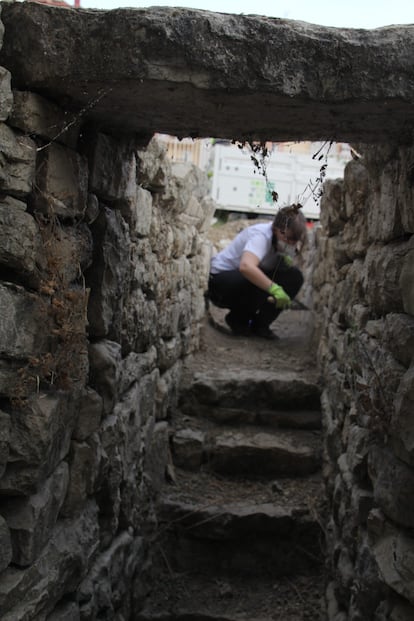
<point x="102" y="272"/>
<point x="364" y="290"/>
<point x="103" y="269"/>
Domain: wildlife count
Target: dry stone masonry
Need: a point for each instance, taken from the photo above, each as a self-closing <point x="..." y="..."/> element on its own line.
<point x="103" y="265"/>
<point x="103" y="271"/>
<point x="363" y="284"/>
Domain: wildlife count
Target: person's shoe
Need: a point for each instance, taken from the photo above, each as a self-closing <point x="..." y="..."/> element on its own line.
<point x="264" y="332"/>
<point x="238" y="329"/>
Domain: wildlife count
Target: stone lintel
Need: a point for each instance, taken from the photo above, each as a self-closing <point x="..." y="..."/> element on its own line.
<point x="197" y="73"/>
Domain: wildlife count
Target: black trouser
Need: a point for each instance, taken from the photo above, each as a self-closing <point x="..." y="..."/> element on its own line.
<point x="248" y="303"/>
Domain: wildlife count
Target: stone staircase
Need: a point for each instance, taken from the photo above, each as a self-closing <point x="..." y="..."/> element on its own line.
<point x="240" y="534"/>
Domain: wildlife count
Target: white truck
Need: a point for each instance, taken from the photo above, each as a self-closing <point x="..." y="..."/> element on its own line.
<point x="239" y="185"/>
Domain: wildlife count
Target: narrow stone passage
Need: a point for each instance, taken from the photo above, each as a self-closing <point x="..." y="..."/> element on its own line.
<point x="241" y="533"/>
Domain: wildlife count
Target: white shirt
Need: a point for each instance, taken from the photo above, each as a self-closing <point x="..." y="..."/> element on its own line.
<point x="256" y="239"/>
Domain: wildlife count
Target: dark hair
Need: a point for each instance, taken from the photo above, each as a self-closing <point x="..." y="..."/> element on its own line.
<point x="292" y="219"/>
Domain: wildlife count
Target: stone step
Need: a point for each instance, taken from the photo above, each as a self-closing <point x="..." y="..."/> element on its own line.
<point x="247" y="390"/>
<point x="241" y="526"/>
<point x="279" y="418"/>
<point x="247" y="451"/>
<point x="303" y="494"/>
<point x="184" y="597"/>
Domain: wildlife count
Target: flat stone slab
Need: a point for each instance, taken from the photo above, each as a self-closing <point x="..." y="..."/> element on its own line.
<point x="248" y="452"/>
<point x="264" y="453"/>
<point x="231" y="521"/>
<point x="240" y="539"/>
<point x="196" y="73"/>
<point x="250" y="390"/>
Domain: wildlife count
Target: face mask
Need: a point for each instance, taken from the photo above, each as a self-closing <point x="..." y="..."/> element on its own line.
<point x="285" y="248"/>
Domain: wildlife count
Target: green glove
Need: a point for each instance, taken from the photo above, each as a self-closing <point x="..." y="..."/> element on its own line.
<point x="281" y="297"/>
<point x="288" y="260"/>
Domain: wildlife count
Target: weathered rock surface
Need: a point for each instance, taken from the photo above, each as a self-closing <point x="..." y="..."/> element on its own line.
<point x="106" y="586"/>
<point x="17" y="159"/>
<point x="402" y="428"/>
<point x="21" y="333"/>
<point x="394" y="554"/>
<point x="20" y="243"/>
<point x="61" y="182"/>
<point x="65" y="446"/>
<point x="40" y="435"/>
<point x="250" y="452"/>
<point x="6" y="96"/>
<point x="287" y="80"/>
<point x="364" y="284"/>
<point x="242" y="389"/>
<point x="33" y="114"/>
<point x="241" y="539"/>
<point x="32" y="519"/>
<point x="107" y="276"/>
<point x="33" y="592"/>
<point x="4" y="440"/>
<point x="392" y="481"/>
<point x="6" y="545"/>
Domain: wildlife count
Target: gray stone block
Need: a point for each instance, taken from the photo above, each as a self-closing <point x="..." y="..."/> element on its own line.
<point x="109" y="581"/>
<point x="32" y="519"/>
<point x="34" y="114"/>
<point x="394" y="554"/>
<point x="399" y="337"/>
<point x="402" y="424"/>
<point x="357" y="451"/>
<point x="390" y="294"/>
<point x="188" y="448"/>
<point x="134" y="366"/>
<point x="24" y="326"/>
<point x="215" y="63"/>
<point x="20" y="244"/>
<point x="5" y="545"/>
<point x="90" y="412"/>
<point x="6" y="95"/>
<point x="40" y="435"/>
<point x="137" y="212"/>
<point x="108" y="275"/>
<point x="104" y="360"/>
<point x="83" y="460"/>
<point x="18" y="160"/>
<point x="61" y="182"/>
<point x="156" y="453"/>
<point x="5" y="424"/>
<point x="407" y="279"/>
<point x="33" y="592"/>
<point x="332" y="214"/>
<point x="392" y="481"/>
<point x="113" y="169"/>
